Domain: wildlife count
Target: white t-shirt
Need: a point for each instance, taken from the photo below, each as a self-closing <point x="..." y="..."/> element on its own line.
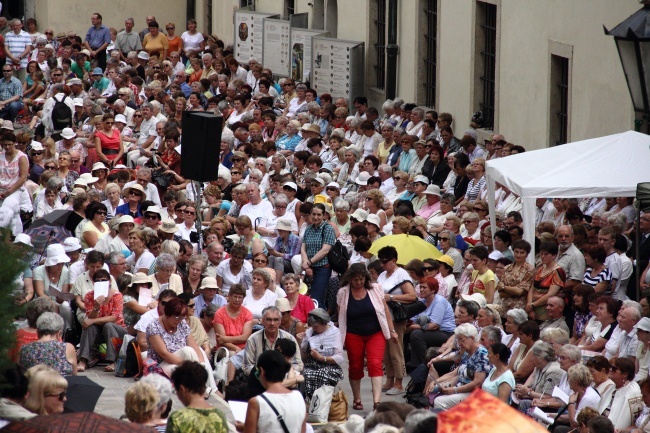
<point x="257" y="306"/>
<point x="192" y="42"/>
<point x="399" y="276"/>
<point x="146" y="319"/>
<point x="145" y="261"/>
<point x="223" y="270"/>
<point x="262" y="210"/>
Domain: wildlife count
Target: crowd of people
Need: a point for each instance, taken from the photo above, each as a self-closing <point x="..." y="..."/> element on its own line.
<point x="93" y="126"/>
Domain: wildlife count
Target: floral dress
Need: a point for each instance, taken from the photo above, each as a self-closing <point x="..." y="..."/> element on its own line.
<point x="520" y="277"/>
<point x="50" y="353"/>
<point x="542" y="283"/>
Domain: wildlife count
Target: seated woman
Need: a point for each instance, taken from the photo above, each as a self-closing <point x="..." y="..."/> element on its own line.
<point x="300" y="304"/>
<point x="249" y="238"/>
<point x="170" y="341"/>
<point x="546" y="376"/>
<point x="189" y="380"/>
<point x="322" y="351"/>
<point x="606" y="314"/>
<point x="599" y="367"/>
<point x="29" y="334"/>
<point x="233" y="323"/>
<point x="500" y="381"/>
<point x="142" y="406"/>
<point x="49" y="349"/>
<point x="521" y="362"/>
<point x="258" y="297"/>
<point x="289" y="323"/>
<point x="583" y="396"/>
<point x="260" y="416"/>
<point x="132" y="309"/>
<point x="47" y="390"/>
<point x="165" y="276"/>
<point x="474" y="366"/>
<point x="234" y="270"/>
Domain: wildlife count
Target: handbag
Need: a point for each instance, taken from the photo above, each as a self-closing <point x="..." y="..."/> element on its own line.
<point x="339" y="407"/>
<point x="319" y="405"/>
<point x="220" y="372"/>
<point x="403" y="311"/>
<point x="162" y="179"/>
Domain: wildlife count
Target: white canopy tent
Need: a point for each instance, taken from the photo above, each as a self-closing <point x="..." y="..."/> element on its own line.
<point x="610" y="166"/>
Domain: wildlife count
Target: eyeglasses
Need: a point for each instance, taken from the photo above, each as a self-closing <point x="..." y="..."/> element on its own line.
<point x="479" y="209"/>
<point x="109" y="123"/>
<point x="280" y="207"/>
<point x="61" y="396"/>
<point x="151" y="217"/>
<point x="443" y="239"/>
<point x="427" y="268"/>
<point x="50" y="167"/>
<point x="189" y="212"/>
<point x="74" y="161"/>
<point x="260" y="261"/>
<point x="49" y="33"/>
<point x="156" y="67"/>
<point x="40" y="152"/>
<point x="179" y="317"/>
<point x="6" y="71"/>
<point x="135" y="193"/>
<point x="234" y="172"/>
<point x="169" y="28"/>
<point x="101" y="212"/>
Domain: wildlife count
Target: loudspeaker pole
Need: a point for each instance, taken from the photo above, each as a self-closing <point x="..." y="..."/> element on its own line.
<point x="199" y="220"/>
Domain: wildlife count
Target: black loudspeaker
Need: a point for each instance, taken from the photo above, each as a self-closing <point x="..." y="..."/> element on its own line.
<point x="201" y="141"/>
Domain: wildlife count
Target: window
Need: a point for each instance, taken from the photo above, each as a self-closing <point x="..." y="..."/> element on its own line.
<point x="431" y="57"/>
<point x="208" y="16"/>
<point x="559" y="100"/>
<point x="289" y="8"/>
<point x="380" y="45"/>
<point x="486" y="58"/>
<point x="247" y="4"/>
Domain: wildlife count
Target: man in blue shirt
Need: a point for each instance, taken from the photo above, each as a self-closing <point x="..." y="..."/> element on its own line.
<point x="11" y="94"/>
<point x="97" y="39"/>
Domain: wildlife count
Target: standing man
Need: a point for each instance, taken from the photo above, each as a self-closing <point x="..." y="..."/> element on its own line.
<point x="11" y="94"/>
<point x="127" y="40"/>
<point x="18" y="45"/>
<point x="569" y="258"/>
<point x="606" y="239"/>
<point x="97" y="39"/>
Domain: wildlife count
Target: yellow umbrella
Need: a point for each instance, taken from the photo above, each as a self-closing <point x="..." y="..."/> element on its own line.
<point x="408" y="248"/>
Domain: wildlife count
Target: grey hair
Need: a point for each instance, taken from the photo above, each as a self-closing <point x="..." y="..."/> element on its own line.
<point x="492" y="333"/>
<point x="580" y="375"/>
<point x="156" y="105"/>
<point x="449" y="197"/>
<point x="170" y="247"/>
<point x="37" y="307"/>
<point x="633" y="304"/>
<point x="555" y="336"/>
<point x="119" y="103"/>
<point x="225" y="173"/>
<point x="130" y="19"/>
<point x="466" y="330"/>
<point x="387" y="104"/>
<point x="416" y="417"/>
<point x="419" y="111"/>
<point x="388" y="126"/>
<point x="264" y="274"/>
<point x="146" y="105"/>
<point x="162" y="385"/>
<point x="341" y="203"/>
<point x="145" y="170"/>
<point x="517" y="315"/>
<point x="228" y="138"/>
<point x="207" y="55"/>
<point x="266" y="161"/>
<point x="49" y="324"/>
<point x="313" y="105"/>
<point x="543" y="351"/>
<point x="247" y="117"/>
<point x="281" y="198"/>
<point x="472" y="133"/>
<point x="113" y="257"/>
<point x="256" y="172"/>
<point x="452" y="237"/>
<point x="331" y="428"/>
<point x="55" y="182"/>
<point x="572" y="352"/>
<point x="398" y="102"/>
<point x="165" y="261"/>
<point x="354" y="122"/>
<point x="301" y="87"/>
<point x="354" y="152"/>
<point x="271" y="309"/>
<point x="385" y="168"/>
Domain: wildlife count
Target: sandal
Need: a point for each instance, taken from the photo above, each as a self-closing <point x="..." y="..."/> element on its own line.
<point x="375" y="404"/>
<point x="110" y="368"/>
<point x="357" y="405"/>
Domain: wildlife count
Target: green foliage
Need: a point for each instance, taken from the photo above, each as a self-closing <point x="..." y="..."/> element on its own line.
<point x="11" y="265"/>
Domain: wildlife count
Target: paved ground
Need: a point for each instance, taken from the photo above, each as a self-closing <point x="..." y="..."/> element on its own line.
<point x="111" y="402"/>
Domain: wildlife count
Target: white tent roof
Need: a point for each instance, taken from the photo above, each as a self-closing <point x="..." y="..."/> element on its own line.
<point x="610" y="166"/>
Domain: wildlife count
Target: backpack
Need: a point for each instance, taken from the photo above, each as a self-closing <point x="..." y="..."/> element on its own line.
<point x="415" y="387"/>
<point x="129" y="360"/>
<point x="338" y="258"/>
<point x="61" y="115"/>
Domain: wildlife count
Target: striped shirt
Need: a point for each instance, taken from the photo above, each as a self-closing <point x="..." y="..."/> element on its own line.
<point x="16" y="44"/>
<point x="604" y="275"/>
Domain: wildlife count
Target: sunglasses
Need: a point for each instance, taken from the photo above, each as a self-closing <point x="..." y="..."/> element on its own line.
<point x="61" y="396"/>
<point x="443" y="239"/>
<point x="189" y="212"/>
<point x="234" y="172"/>
<point x="427" y="268"/>
<point x="74" y="161"/>
<point x="137" y="115"/>
<point x="40" y="152"/>
<point x="109" y="123"/>
<point x="169" y="28"/>
<point x="260" y="261"/>
<point x="156" y="67"/>
<point x="135" y="193"/>
<point x="50" y="167"/>
<point x="151" y="217"/>
<point x="191" y="305"/>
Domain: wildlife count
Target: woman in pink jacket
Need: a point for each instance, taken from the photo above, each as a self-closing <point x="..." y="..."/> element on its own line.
<point x="365" y="325"/>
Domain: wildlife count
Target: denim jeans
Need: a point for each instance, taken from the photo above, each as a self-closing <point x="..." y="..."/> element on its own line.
<point x="319" y="284"/>
<point x="10" y="112"/>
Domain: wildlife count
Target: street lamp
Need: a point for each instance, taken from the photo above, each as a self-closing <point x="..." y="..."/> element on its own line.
<point x="632" y="38"/>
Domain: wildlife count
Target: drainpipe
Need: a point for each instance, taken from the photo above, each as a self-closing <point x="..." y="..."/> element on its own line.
<point x="391" y="51"/>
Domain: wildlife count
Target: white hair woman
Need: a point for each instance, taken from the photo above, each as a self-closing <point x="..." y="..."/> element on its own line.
<point x="545" y="377"/>
<point x="457" y="385"/>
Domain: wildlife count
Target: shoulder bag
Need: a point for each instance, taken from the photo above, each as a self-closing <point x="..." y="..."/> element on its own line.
<point x="277" y="414"/>
<point x="403" y="311"/>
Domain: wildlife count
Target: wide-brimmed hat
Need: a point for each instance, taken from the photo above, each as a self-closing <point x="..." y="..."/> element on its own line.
<point x="68" y="133"/>
<point x="98" y="166"/>
<point x="311" y="128"/>
<point x="319" y="180"/>
<point x="55" y="255"/>
<point x="78" y="102"/>
<point x="421" y="179"/>
<point x="209" y="283"/>
<point x="8" y="125"/>
<point x="359" y="215"/>
<point x="333" y="185"/>
<point x="291" y="185"/>
<point x="125" y="219"/>
<point x="142" y="55"/>
<point x="643" y="324"/>
<point x="74" y="81"/>
<point x="476" y="297"/>
<point x="433" y="190"/>
<point x="168" y="226"/>
<point x="89" y="178"/>
<point x="362" y="179"/>
<point x="97" y="71"/>
<point x="24" y="239"/>
<point x="137" y="187"/>
<point x="71" y="244"/>
<point x="37" y="146"/>
<point x="373" y="219"/>
<point x="283" y="224"/>
<point x="154" y="209"/>
<point x="283" y="305"/>
<point x="140" y="278"/>
<point x="81" y="182"/>
<point x="121" y="118"/>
